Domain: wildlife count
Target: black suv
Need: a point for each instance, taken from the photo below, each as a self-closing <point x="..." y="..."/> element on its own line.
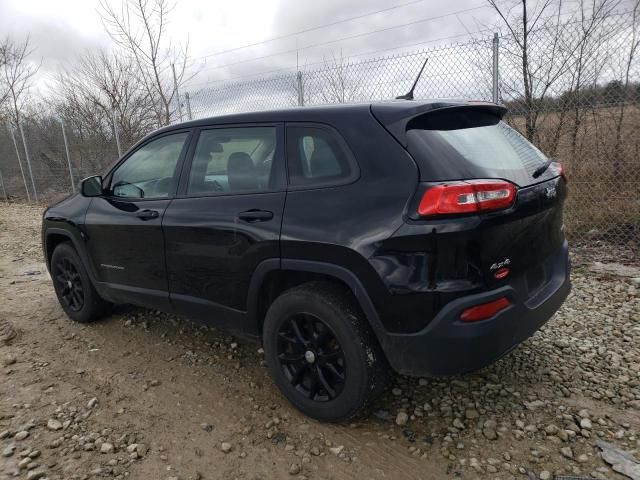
<point x="423" y="237"/>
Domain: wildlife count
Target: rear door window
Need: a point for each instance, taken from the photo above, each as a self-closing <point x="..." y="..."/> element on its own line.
<point x="472" y="144"/>
<point x="233" y="160"/>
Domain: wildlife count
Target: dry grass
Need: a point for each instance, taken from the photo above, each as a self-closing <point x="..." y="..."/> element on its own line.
<point x="603" y="172"/>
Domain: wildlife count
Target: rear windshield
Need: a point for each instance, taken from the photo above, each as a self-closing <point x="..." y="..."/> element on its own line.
<point x="457" y="145"/>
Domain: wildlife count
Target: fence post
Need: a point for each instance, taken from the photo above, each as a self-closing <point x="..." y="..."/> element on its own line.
<point x="300" y="91"/>
<point x="175" y="87"/>
<point x="4" y="192"/>
<point x="26" y="154"/>
<point x="66" y="148"/>
<point x="24" y="179"/>
<point x="115" y="131"/>
<point x="188" y="102"/>
<point x="496" y="95"/>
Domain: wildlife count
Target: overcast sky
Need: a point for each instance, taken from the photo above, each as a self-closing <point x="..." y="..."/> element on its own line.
<point x="60" y="30"/>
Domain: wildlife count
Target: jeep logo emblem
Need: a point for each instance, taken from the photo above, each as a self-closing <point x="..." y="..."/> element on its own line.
<point x="550" y="192"/>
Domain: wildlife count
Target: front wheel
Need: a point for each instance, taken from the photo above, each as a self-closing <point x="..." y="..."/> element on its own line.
<point x="76" y="294"/>
<point x="322" y="353"/>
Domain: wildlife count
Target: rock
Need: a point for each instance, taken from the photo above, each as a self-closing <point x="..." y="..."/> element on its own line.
<point x="142" y="449"/>
<point x="106" y="448"/>
<point x="92" y="403"/>
<point x="489" y="429"/>
<point x="337" y="450"/>
<point x="586" y="424"/>
<point x="9" y="450"/>
<point x="402" y="418"/>
<point x="207" y="427"/>
<point x="226" y="447"/>
<point x="21" y="435"/>
<point x="551" y="429"/>
<point x="295" y="469"/>
<point x="457" y="423"/>
<point x="5" y="434"/>
<point x="566" y="452"/>
<point x="471" y="414"/>
<point x="154" y="383"/>
<point x="396" y="391"/>
<point x="36" y="474"/>
<point x="490" y="434"/>
<point x="545" y="475"/>
<point x="54" y="425"/>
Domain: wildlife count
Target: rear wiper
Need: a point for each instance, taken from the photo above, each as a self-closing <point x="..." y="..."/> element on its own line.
<point x="542" y="168"/>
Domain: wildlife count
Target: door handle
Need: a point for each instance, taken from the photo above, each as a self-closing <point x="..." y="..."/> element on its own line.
<point x="255" y="215"/>
<point x="147" y="214"/>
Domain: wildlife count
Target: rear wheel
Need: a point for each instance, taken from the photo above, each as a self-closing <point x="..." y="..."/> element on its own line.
<point x="321" y="352"/>
<point x="76" y="294"/>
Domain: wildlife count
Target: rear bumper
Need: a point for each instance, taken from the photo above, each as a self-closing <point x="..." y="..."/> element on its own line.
<point x="448" y="346"/>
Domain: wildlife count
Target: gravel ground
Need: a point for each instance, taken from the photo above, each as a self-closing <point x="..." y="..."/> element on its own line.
<point x="148" y="395"/>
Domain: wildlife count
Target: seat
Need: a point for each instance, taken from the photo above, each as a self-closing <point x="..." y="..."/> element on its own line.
<point x="241" y="172"/>
<point x="323" y="162"/>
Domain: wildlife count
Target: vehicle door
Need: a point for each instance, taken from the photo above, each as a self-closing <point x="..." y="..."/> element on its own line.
<point x="225" y="221"/>
<point x="124" y="226"/>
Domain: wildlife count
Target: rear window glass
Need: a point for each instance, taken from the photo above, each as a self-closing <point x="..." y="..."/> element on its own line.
<point x="315" y="157"/>
<point x="466" y="145"/>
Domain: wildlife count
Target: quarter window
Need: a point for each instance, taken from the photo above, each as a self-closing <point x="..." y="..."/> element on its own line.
<point x="316" y="156"/>
<point x="233" y="160"/>
<point x="149" y="172"/>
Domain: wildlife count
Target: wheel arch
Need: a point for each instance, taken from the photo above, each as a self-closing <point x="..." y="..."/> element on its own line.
<point x="56" y="236"/>
<point x="273" y="276"/>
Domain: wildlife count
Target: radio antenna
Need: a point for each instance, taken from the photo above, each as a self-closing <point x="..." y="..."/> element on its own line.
<point x="409" y="94"/>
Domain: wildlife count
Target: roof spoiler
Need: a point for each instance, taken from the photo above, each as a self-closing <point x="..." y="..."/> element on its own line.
<point x="395" y="119"/>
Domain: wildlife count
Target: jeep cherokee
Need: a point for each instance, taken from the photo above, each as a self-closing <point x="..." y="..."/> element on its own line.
<point x="420" y="236"/>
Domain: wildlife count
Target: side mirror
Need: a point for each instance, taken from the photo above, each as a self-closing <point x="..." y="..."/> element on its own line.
<point x="91" y="186"/>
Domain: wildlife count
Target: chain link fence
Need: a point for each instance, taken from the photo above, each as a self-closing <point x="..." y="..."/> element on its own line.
<point x="579" y="102"/>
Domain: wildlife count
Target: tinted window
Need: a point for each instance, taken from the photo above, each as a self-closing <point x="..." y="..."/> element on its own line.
<point x="470" y="145"/>
<point x="233" y="160"/>
<point x="315" y="155"/>
<point x="149" y="172"/>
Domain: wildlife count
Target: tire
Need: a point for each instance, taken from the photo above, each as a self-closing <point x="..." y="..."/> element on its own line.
<point x="79" y="300"/>
<point x="336" y="332"/>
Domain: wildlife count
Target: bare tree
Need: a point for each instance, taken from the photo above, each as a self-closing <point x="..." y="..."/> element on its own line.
<point x="139" y="28"/>
<point x="17" y="75"/>
<point x="100" y="86"/>
<point x="539" y="67"/>
<point x="102" y="83"/>
<point x="631" y="55"/>
<point x="338" y="84"/>
<point x="4" y="91"/>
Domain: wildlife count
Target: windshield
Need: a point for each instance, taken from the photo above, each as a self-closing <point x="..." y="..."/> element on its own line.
<point x="467" y="145"/>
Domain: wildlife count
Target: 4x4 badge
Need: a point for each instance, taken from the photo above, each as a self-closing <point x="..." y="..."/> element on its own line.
<point x="503" y="263"/>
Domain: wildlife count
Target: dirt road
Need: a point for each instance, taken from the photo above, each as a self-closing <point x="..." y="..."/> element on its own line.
<point x="146" y="395"/>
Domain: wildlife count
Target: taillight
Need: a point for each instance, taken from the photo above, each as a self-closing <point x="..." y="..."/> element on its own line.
<point x="484" y="310"/>
<point x="466" y="197"/>
<point x="558" y="169"/>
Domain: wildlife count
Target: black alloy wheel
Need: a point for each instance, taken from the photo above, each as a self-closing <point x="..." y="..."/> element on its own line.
<point x="321" y="352"/>
<point x="74" y="289"/>
<point x="311" y="357"/>
<point x="69" y="284"/>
